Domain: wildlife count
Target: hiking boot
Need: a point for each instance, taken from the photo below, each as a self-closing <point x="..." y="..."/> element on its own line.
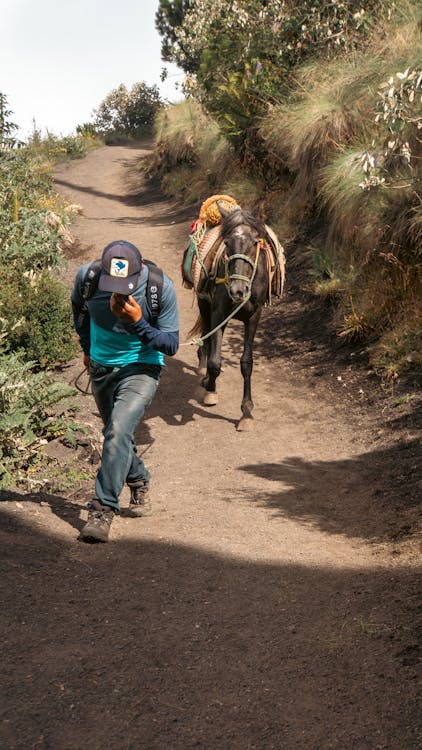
<point x="140" y="502"/>
<point x="100" y="518"/>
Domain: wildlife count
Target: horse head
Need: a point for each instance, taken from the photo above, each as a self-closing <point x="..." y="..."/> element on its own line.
<point x="241" y="232"/>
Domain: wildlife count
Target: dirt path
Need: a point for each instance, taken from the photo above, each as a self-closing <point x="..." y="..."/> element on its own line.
<point x="264" y="604"/>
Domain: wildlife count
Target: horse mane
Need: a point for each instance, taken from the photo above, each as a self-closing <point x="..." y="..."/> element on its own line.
<point x="242" y="216"/>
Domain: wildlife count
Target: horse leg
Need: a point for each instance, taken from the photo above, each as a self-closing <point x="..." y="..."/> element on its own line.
<point x="246" y="366"/>
<point x="204" y="309"/>
<point x="205" y="314"/>
<point x="213" y="368"/>
<point x="202" y="371"/>
<point x="203" y="356"/>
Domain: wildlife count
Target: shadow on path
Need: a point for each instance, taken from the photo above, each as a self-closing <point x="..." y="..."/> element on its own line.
<point x="175" y="401"/>
<point x="144" y="644"/>
<point x="65" y="509"/>
<point x="347" y="496"/>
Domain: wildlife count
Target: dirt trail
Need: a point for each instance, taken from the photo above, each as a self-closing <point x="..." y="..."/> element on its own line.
<point x="263" y="605"/>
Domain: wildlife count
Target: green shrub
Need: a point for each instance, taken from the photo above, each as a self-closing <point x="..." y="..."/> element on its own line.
<point x="29" y="230"/>
<point x="37" y="311"/>
<point x="22" y="181"/>
<point x="51" y="149"/>
<point x="31" y="241"/>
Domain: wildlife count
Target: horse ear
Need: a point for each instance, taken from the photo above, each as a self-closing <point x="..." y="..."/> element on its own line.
<point x="259" y="210"/>
<point x="223" y="211"/>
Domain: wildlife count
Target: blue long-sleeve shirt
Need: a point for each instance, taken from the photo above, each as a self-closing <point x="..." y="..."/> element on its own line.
<point x="109" y="341"/>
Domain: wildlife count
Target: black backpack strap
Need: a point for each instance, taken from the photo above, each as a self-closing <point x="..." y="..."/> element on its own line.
<point x="154" y="289"/>
<point x="89" y="286"/>
<point x="90" y="282"/>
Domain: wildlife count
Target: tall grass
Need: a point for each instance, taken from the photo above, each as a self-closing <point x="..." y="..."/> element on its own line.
<point x="331" y="104"/>
<point x="192" y="157"/>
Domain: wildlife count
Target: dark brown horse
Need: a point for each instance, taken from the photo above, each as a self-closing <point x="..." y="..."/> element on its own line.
<point x="246" y="267"/>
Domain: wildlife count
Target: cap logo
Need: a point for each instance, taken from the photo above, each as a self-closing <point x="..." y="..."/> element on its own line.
<point x="119" y="267"/>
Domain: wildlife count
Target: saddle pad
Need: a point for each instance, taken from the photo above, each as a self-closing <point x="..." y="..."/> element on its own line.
<point x="279" y="265"/>
<point x="205" y="254"/>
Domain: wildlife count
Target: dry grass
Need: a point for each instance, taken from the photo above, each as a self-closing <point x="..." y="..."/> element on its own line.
<point x="305" y="134"/>
<point x="194" y="159"/>
<point x="177" y="134"/>
<point x="189" y="150"/>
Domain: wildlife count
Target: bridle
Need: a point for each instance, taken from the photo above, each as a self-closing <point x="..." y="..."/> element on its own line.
<point x="229" y="277"/>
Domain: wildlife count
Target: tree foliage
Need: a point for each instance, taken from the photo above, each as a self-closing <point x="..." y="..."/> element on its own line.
<point x="168" y="20"/>
<point x="242" y="52"/>
<point x="129" y="111"/>
<point x="7" y="127"/>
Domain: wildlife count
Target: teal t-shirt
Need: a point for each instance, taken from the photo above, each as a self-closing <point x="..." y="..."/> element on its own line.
<point x="112" y="344"/>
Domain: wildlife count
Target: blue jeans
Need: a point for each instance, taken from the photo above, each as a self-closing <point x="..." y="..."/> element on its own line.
<point x="122" y="394"/>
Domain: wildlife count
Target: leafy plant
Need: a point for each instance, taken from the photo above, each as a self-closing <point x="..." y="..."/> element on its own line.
<point x="27" y="420"/>
<point x="32" y="220"/>
<point x="399" y="110"/>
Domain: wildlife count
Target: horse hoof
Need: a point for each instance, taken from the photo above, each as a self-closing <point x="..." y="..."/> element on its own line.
<point x="245" y="424"/>
<point x="210" y="398"/>
<point x="202" y="371"/>
<point x="199" y="393"/>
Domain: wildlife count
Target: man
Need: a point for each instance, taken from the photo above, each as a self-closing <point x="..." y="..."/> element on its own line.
<point x="124" y="354"/>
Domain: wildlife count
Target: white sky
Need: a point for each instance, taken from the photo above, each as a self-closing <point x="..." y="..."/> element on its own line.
<point x="60" y="58"/>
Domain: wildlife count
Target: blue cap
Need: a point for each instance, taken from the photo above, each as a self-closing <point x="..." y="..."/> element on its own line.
<point x="121" y="265"/>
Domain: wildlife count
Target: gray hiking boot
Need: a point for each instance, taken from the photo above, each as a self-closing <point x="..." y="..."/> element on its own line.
<point x="140" y="502"/>
<point x="100" y="518"/>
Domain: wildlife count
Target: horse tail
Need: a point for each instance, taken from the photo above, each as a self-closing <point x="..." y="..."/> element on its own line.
<point x="197" y="327"/>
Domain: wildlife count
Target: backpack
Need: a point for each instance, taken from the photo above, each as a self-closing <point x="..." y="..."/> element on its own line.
<point x="154" y="288"/>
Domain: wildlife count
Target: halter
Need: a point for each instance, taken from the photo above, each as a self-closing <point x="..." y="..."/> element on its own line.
<point x="228" y="277"/>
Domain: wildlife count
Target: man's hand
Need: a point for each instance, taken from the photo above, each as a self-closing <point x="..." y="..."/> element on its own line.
<point x="127" y="309"/>
<point x="86" y="361"/>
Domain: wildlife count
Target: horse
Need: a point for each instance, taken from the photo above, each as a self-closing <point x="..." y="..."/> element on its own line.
<point x="244" y="265"/>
